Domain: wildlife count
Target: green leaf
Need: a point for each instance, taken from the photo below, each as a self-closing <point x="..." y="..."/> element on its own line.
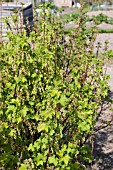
<point x="8" y="85"/>
<point x="55" y="92"/>
<point x="19" y="119"/>
<point x="40" y="159"/>
<point x="34" y="75"/>
<point x="52" y="160"/>
<point x="24" y="111"/>
<point x="63" y="100"/>
<point x="76" y="166"/>
<point x="15" y="101"/>
<point x="51" y="132"/>
<point x="23" y="80"/>
<point x="17" y="79"/>
<point x="42" y="127"/>
<point x="23" y="167"/>
<point x="12" y="132"/>
<point x="83" y="126"/>
<point x="31" y="147"/>
<point x="66" y="159"/>
<point x="11" y="108"/>
<point x="40" y="162"/>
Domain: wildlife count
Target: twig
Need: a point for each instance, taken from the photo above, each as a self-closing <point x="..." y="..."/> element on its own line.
<point x="103" y="126"/>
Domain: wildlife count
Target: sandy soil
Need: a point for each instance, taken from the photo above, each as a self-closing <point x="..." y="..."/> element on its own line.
<point x="102" y="38"/>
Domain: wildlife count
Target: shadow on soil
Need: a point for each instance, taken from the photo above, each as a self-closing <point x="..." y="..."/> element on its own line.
<point x="103" y="144"/>
<point x="103" y="149"/>
<point x="111" y="95"/>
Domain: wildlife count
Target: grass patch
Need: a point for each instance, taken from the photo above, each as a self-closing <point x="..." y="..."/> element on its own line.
<point x="73" y="15"/>
<point x="69" y="30"/>
<point x="69" y="17"/>
<point x="105" y="30"/>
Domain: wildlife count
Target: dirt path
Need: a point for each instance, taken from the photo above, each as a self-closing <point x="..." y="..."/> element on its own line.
<point x="102" y="38"/>
<point x="103" y="145"/>
<point x="103" y="142"/>
<point x="109" y="13"/>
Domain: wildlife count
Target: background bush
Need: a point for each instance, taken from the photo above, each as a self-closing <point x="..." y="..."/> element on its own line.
<point x="51" y="89"/>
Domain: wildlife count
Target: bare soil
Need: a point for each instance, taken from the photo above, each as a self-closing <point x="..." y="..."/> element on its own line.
<point x="102" y="38"/>
<point x="109" y="13"/>
<point x="103" y="139"/>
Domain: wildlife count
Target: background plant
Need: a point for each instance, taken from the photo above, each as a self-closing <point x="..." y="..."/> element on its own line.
<point x="51" y="89"/>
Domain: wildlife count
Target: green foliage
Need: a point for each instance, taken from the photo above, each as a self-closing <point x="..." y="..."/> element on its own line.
<point x="102" y="18"/>
<point x="109" y="54"/>
<point x="49" y="97"/>
<point x="105" y="30"/>
<point x="69" y="30"/>
<point x="69" y="17"/>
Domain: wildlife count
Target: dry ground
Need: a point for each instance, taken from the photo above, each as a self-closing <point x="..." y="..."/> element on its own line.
<point x="103" y="142"/>
<point x="104" y="37"/>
